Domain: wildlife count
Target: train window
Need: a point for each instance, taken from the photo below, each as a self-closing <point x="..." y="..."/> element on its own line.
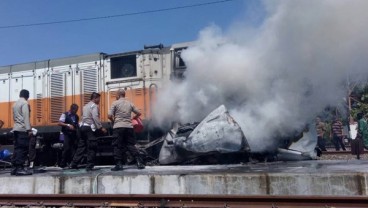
<point x="122" y="67"/>
<point x="179" y="62"/>
<point x="179" y="65"/>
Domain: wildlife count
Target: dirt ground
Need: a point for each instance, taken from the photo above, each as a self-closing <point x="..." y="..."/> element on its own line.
<point x="347" y="156"/>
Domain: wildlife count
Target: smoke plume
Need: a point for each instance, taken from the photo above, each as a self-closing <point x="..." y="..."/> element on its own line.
<point x="276" y="76"/>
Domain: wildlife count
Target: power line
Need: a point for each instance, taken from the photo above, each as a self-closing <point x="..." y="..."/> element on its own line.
<point x="113" y="16"/>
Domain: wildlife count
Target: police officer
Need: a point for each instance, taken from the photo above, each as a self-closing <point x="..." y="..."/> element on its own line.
<point x="69" y="127"/>
<point x="124" y="140"/>
<point x="22" y="133"/>
<point x="89" y="129"/>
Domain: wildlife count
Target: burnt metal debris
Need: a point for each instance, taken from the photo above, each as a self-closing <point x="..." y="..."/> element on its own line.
<point x="218" y="139"/>
<point x="217" y="134"/>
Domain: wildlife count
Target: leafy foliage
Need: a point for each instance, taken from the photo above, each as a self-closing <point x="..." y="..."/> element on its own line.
<point x="359" y="98"/>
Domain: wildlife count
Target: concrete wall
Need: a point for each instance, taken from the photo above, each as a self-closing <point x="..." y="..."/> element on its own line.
<point x="348" y="184"/>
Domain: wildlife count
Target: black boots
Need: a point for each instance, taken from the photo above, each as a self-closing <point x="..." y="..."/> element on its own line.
<point x="73" y="166"/>
<point x="118" y="166"/>
<point x="140" y="164"/>
<point x="14" y="171"/>
<point x="20" y="171"/>
<point x="62" y="165"/>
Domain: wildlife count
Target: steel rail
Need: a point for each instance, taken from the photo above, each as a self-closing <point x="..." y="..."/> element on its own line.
<point x="176" y="201"/>
<point x="347" y="152"/>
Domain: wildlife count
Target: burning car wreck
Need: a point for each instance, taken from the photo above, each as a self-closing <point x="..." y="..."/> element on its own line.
<point x="218" y="139"/>
<point x="217" y="134"/>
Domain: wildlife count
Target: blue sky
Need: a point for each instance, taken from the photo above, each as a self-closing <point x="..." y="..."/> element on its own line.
<point x="113" y="35"/>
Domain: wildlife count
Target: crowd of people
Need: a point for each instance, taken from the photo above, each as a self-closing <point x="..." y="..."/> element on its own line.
<point x="333" y="131"/>
<point x="79" y="135"/>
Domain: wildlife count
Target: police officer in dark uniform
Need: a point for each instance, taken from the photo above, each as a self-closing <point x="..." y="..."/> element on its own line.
<point x="69" y="127"/>
<point x="90" y="127"/>
<point x="22" y="133"/>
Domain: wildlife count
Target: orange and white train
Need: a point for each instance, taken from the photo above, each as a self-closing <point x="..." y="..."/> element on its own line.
<point x="57" y="83"/>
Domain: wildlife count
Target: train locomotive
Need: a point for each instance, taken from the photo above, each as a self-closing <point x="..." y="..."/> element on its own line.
<point x="55" y="84"/>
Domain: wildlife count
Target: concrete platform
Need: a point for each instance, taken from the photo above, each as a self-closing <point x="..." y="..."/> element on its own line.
<point x="330" y="177"/>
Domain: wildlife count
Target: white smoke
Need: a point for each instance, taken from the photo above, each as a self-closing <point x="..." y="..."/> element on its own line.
<point x="277" y="76"/>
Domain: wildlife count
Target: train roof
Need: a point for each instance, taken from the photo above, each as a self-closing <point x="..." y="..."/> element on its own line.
<point x="86" y="58"/>
<point x="51" y="63"/>
<point x="182" y="45"/>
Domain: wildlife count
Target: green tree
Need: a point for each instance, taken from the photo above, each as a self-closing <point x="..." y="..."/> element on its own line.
<point x="359" y="100"/>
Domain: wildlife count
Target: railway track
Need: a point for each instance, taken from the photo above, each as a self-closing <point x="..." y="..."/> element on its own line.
<point x="180" y="201"/>
<point x="333" y="152"/>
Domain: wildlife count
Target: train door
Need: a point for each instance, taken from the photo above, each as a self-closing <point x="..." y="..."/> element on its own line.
<point x="5" y="106"/>
<point x="151" y="70"/>
<point x="155" y="64"/>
